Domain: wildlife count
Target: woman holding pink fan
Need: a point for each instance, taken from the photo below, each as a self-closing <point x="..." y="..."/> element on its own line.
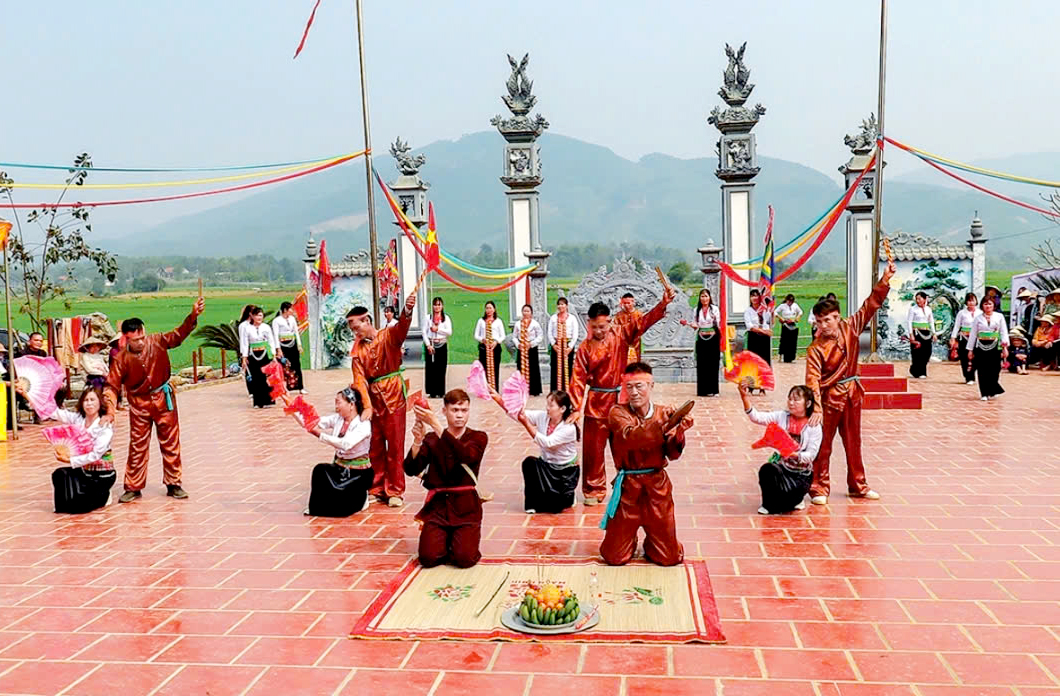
<point x="82" y="442"/>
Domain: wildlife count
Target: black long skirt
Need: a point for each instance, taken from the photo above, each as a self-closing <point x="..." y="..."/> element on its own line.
<point x="534" y="368"/>
<point x="789" y="343"/>
<point x="338" y="491"/>
<point x="294" y="362"/>
<point x="496" y="364"/>
<point x="548" y="488"/>
<point x="78" y="491"/>
<point x="919" y="358"/>
<point x="707" y="358"/>
<point x="967" y="366"/>
<point x="434" y="368"/>
<point x="759" y="344"/>
<point x="553" y="381"/>
<point x="988" y="367"/>
<point x="782" y="488"/>
<point x="259" y="386"/>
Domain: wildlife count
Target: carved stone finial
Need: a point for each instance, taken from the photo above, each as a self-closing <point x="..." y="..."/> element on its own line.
<point x="735" y="87"/>
<point x="863" y="142"/>
<point x="977" y="227"/>
<point x="519" y="101"/>
<point x="406" y="163"/>
<point x="310" y="248"/>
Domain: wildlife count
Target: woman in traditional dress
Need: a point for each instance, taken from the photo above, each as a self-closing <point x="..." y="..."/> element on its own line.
<point x="563" y="339"/>
<point x="258" y="346"/>
<point x="962" y="327"/>
<point x="285" y="330"/>
<point x="340" y="488"/>
<point x="920" y="327"/>
<point x="389" y="317"/>
<point x="439" y="328"/>
<point x="707" y="324"/>
<point x="489" y="332"/>
<point x="759" y="323"/>
<point x="988" y="346"/>
<point x="785" y="481"/>
<point x="528" y="338"/>
<point x="550" y="479"/>
<point x="241" y="326"/>
<point x="788" y="314"/>
<point x="85" y="484"/>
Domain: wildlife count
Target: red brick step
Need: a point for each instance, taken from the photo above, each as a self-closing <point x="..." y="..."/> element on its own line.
<point x="876" y="369"/>
<point x="892" y="401"/>
<point x="885" y="384"/>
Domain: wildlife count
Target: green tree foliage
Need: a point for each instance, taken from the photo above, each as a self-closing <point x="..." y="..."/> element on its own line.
<point x="148" y="282"/>
<point x="679" y="272"/>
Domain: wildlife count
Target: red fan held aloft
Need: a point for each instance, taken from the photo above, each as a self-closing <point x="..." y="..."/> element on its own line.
<point x="309" y="414"/>
<point x="777" y="438"/>
<point x="415" y="399"/>
<point x="275" y="379"/>
<point x="747" y="365"/>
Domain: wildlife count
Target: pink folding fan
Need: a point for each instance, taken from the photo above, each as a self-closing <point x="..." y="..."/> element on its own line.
<point x="514" y="393"/>
<point x="40" y="378"/>
<point x="476" y="381"/>
<point x="71" y="440"/>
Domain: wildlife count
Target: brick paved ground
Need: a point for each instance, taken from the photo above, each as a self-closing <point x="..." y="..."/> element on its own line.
<point x="948" y="586"/>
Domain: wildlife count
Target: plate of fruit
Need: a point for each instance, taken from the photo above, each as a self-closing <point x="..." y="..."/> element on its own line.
<point x="549" y="609"/>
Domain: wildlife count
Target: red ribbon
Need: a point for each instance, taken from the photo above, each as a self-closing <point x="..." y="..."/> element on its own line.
<point x="305" y="34"/>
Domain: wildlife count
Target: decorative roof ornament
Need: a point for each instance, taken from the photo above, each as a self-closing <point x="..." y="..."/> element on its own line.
<point x="863" y="142"/>
<point x="735" y="90"/>
<point x="311" y="248"/>
<point x="917" y="247"/>
<point x="519" y="101"/>
<point x="409" y="165"/>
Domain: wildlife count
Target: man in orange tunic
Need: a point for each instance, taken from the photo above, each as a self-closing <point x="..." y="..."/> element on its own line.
<point x="598" y="364"/>
<point x="378" y="375"/>
<point x="629" y="314"/>
<point x="142" y="367"/>
<point x="831" y="372"/>
<point x="643" y="494"/>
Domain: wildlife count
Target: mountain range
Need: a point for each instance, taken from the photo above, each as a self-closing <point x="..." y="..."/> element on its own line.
<point x="589" y="194"/>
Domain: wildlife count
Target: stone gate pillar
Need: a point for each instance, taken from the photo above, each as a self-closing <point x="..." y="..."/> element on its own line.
<point x="978" y="244"/>
<point x="410" y="190"/>
<point x="711" y="254"/>
<point x="522" y="176"/>
<point x="737" y="166"/>
<point x="859" y="213"/>
<point x="316" y="341"/>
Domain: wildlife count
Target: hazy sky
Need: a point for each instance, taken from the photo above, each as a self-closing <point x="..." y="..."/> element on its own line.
<point x="202" y="82"/>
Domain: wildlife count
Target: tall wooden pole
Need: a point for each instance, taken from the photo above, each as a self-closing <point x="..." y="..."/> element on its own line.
<point x="12" y="403"/>
<point x="372" y="241"/>
<point x="877" y="208"/>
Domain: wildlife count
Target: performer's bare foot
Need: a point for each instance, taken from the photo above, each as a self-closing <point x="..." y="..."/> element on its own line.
<point x="819" y="500"/>
<point x="176" y="492"/>
<point x="129" y="496"/>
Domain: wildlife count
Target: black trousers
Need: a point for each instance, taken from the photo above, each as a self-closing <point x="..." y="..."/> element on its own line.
<point x="759" y="344"/>
<point x="967" y="366"/>
<point x="294" y="361"/>
<point x="789" y="343"/>
<point x="434" y="368"/>
<point x="548" y="488"/>
<point x="338" y="491"/>
<point x="496" y="364"/>
<point x="919" y="357"/>
<point x="534" y="366"/>
<point x="988" y="367"/>
<point x="707" y="357"/>
<point x="782" y="488"/>
<point x="78" y="491"/>
<point x="554" y="379"/>
<point x="259" y="387"/>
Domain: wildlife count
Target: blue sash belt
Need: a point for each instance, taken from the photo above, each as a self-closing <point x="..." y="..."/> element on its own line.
<point x="168" y="391"/>
<point x="616" y="493"/>
<point x="606" y="390"/>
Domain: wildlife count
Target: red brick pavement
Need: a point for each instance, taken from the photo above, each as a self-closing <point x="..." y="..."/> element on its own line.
<point x="949" y="585"/>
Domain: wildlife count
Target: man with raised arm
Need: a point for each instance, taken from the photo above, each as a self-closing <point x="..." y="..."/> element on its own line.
<point x="832" y="375"/>
<point x="598" y="365"/>
<point x="375" y="360"/>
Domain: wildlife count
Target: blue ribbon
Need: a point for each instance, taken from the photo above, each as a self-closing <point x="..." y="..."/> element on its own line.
<point x="606" y="390"/>
<point x="168" y="391"/>
<point x="616" y="493"/>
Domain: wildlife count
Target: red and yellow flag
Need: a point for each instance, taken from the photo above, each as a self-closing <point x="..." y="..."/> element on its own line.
<point x="433" y="252"/>
<point x="5" y="230"/>
<point x="324" y="269"/>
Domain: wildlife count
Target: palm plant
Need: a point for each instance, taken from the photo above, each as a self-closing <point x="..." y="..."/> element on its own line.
<point x="224" y="336"/>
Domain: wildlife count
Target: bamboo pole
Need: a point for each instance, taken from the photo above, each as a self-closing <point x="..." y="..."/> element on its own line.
<point x="877" y="208"/>
<point x="372" y="240"/>
<point x="12" y="407"/>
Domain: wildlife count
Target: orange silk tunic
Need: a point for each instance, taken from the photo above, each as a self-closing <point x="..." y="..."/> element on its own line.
<point x="142" y="373"/>
<point x="622" y="318"/>
<point x="640" y="442"/>
<point x="828" y="361"/>
<point x="600" y="363"/>
<point x="372" y="359"/>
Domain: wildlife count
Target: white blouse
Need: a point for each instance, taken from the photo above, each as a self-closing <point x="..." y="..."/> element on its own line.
<point x="441" y="336"/>
<point x="809" y="439"/>
<point x="919" y="315"/>
<point x="354" y="444"/>
<point x="498" y="331"/>
<point x="262" y="333"/>
<point x="286" y="331"/>
<point x="710" y="319"/>
<point x="753" y="320"/>
<point x="962" y="324"/>
<point x="101" y="437"/>
<point x="982" y="324"/>
<point x="533" y="333"/>
<point x="390" y="324"/>
<point x="559" y="448"/>
<point x="571" y="325"/>
<point x="787" y="313"/>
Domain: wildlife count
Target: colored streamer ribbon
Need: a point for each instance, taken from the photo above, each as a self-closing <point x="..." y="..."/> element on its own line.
<point x="305" y="34"/>
<point x="198" y="194"/>
<point x="171" y="170"/>
<point x="923" y="154"/>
